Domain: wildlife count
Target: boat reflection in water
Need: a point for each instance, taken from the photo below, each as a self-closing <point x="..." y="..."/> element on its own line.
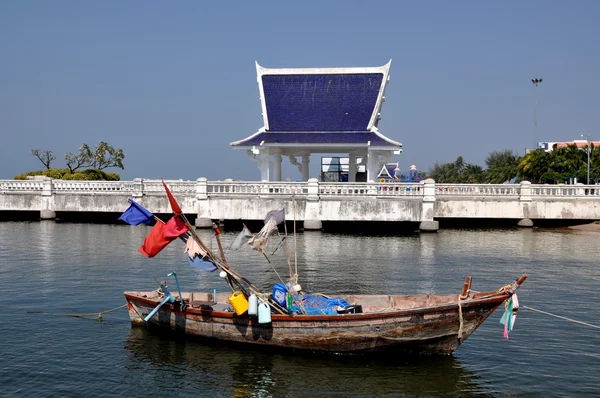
<point x="182" y="366"/>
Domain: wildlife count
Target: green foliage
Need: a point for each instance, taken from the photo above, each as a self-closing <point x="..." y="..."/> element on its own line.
<point x="502" y="166"/>
<point x="539" y="167"/>
<point x="559" y="165"/>
<point x="113" y="176"/>
<point x="66" y="174"/>
<point x="56" y="173"/>
<point x="84" y="158"/>
<point x="28" y="174"/>
<point x="104" y="156"/>
<point x="458" y="171"/>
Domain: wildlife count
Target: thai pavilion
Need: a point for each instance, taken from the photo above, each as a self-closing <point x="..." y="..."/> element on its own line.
<point x="320" y="110"/>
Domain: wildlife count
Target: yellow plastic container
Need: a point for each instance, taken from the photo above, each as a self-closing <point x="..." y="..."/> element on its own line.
<point x="238" y="302"/>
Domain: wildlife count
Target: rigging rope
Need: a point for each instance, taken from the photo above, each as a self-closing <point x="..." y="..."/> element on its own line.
<point x="460" y="318"/>
<point x="561" y="317"/>
<point x="99" y="314"/>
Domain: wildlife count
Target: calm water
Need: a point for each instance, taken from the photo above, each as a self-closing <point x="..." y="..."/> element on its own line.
<point x="59" y="269"/>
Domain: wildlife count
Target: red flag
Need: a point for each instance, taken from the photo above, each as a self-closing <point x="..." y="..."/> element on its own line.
<point x="155" y="241"/>
<point x="172" y="201"/>
<point x="161" y="235"/>
<point x="175" y="227"/>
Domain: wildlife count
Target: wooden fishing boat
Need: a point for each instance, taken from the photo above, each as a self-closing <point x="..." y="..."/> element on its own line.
<point x="414" y="324"/>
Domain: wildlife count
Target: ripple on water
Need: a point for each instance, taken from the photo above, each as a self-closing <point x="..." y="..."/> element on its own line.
<point x="81" y="268"/>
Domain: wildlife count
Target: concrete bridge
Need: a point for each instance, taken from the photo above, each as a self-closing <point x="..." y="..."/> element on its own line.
<point x="425" y="203"/>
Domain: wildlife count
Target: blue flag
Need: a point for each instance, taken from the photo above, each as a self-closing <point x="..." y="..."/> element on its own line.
<point x="204" y="264"/>
<point x="136" y="215"/>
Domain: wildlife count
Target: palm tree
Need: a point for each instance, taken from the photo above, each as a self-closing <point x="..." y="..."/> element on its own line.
<point x="501" y="166"/>
<point x="472" y="174"/>
<point x="533" y="165"/>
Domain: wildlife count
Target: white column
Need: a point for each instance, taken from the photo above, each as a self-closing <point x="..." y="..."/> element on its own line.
<point x="305" y="164"/>
<point x="203" y="219"/>
<point x="46" y="212"/>
<point x="261" y="158"/>
<point x="371" y="166"/>
<point x="312" y="219"/>
<point x="352" y="168"/>
<point x="428" y="223"/>
<point x="277" y="167"/>
<point x="375" y="162"/>
<point x="263" y="165"/>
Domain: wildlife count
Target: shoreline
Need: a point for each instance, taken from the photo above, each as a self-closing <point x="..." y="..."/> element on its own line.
<point x="591" y="227"/>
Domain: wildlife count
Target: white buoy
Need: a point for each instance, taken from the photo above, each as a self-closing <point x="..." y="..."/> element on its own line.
<point x="223" y="274"/>
<point x="252" y="305"/>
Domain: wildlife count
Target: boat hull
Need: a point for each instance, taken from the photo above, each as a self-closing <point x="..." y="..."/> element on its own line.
<point x="435" y="329"/>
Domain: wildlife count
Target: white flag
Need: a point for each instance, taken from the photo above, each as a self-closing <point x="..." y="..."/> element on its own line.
<point x="259" y="240"/>
<point x="242" y="238"/>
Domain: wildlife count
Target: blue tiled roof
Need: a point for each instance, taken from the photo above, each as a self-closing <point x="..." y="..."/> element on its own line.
<point x="312" y="137"/>
<point x="321" y="102"/>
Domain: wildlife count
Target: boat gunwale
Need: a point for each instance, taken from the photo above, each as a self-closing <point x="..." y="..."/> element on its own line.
<point x="494" y="297"/>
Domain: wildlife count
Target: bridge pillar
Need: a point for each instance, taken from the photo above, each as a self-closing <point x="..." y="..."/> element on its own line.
<point x="138" y="188"/>
<point x="311" y="212"/>
<point x="428" y="224"/>
<point x="46" y="212"/>
<point x="525" y="199"/>
<point x="525" y="223"/>
<point x="203" y="219"/>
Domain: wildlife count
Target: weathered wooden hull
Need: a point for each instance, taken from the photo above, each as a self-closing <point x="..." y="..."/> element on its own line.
<point x="436" y="328"/>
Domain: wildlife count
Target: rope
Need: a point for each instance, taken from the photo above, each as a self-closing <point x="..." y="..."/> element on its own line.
<point x="99" y="314"/>
<point x="561" y="317"/>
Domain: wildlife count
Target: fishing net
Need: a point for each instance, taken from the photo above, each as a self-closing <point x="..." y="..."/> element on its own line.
<point x="319" y="305"/>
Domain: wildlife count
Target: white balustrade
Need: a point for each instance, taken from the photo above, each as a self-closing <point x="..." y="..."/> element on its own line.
<point x="367" y="189"/>
<point x="557" y="190"/>
<point x="275" y="188"/>
<point x="500" y="190"/>
<point x="244" y="188"/>
<point x="175" y="186"/>
<point x="23" y="186"/>
<point x="71" y="186"/>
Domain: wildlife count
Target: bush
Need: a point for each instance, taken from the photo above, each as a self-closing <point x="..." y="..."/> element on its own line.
<point x="113" y="177"/>
<point x="56" y="173"/>
<point x="65" y="174"/>
<point x="29" y="174"/>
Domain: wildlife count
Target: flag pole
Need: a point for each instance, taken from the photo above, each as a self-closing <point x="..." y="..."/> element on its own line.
<point x="295" y="242"/>
<point x="287" y="249"/>
<point x="222" y="265"/>
<point x="217" y="230"/>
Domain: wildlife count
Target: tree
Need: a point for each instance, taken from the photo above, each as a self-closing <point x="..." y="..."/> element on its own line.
<point x="82" y="159"/>
<point x="103" y="157"/>
<point x="443" y="173"/>
<point x="533" y="165"/>
<point x="472" y="174"/>
<point x="458" y="171"/>
<point x="45" y="156"/>
<point x="502" y="166"/>
<point x="107" y="156"/>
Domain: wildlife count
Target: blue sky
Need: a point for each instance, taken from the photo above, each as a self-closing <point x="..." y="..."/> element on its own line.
<point x="173" y="83"/>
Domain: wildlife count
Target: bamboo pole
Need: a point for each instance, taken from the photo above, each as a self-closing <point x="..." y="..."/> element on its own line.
<point x="223" y="266"/>
<point x="217" y="233"/>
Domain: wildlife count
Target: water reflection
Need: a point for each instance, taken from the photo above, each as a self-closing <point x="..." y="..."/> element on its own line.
<point x="245" y="372"/>
<point x="82" y="268"/>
